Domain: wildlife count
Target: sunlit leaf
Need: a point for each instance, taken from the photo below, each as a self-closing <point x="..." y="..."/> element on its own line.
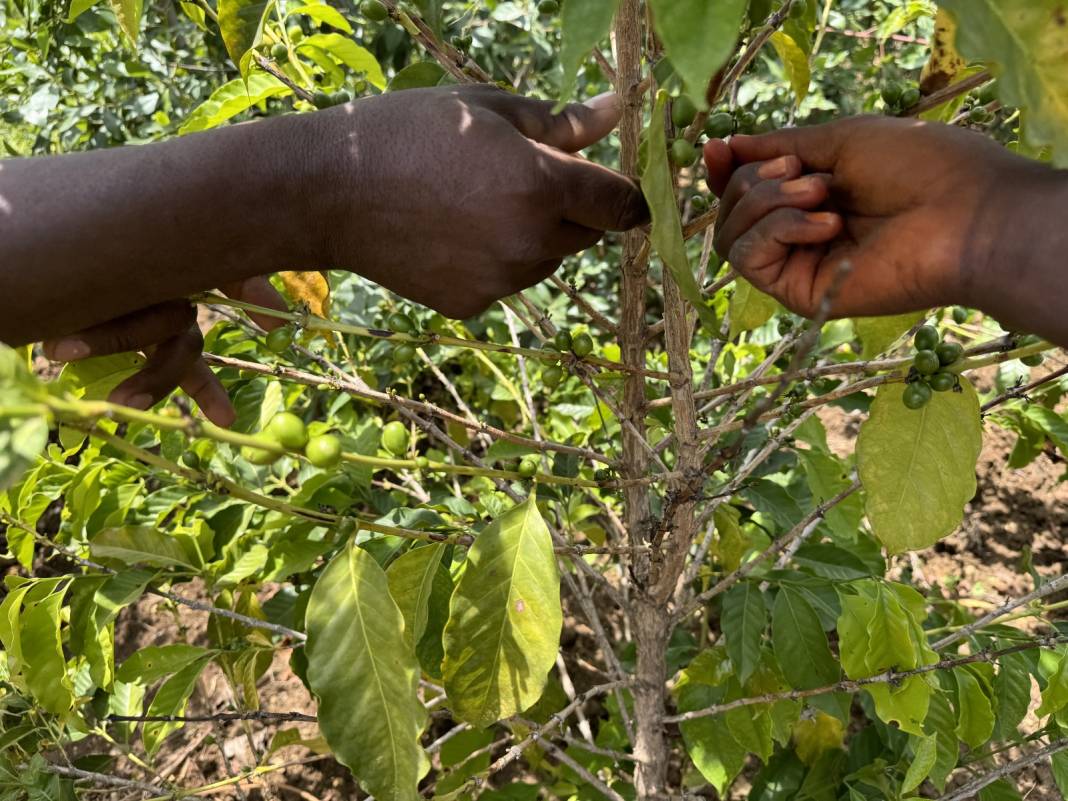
<point x="749" y="307"/>
<point x="231" y="99"/>
<point x="583" y="25"/>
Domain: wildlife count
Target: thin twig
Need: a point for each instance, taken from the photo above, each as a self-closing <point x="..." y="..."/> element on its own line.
<point x="972" y="788"/>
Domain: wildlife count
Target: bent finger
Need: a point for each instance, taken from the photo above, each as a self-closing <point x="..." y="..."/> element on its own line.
<point x="131" y="332"/>
<point x="165" y="368"/>
<point x="761" y="253"/>
<point x="595" y="196"/>
<point x="202" y="385"/>
<point x="747" y="177"/>
<point x="719" y="164"/>
<point x="806" y="192"/>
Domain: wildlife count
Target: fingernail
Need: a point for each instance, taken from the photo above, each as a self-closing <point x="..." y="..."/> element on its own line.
<point x="796" y="187"/>
<point x="822" y="218"/>
<point x="606" y="100"/>
<point x="773" y="169"/>
<point x="69" y="350"/>
<point x="142" y="402"/>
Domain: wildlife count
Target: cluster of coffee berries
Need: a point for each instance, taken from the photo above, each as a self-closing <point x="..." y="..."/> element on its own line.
<point x="930" y="371"/>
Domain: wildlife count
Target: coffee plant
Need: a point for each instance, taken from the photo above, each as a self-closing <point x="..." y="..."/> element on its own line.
<point x="592" y="543"/>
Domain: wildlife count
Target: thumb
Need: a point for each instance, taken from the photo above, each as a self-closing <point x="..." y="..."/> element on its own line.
<point x="577" y="126"/>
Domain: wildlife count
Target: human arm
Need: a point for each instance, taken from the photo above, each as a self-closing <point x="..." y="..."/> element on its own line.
<point x="926" y="214"/>
<point x="453" y="197"/>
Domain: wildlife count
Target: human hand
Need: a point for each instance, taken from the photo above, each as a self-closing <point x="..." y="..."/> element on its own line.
<point x="456" y="197"/>
<point x="169" y="336"/>
<point x="916" y="208"/>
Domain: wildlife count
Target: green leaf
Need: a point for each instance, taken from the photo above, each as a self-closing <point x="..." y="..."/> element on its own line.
<point x="749" y="307"/>
<point x="698" y="37"/>
<point x="751" y="726"/>
<point x="1000" y="790"/>
<point x="1025" y="43"/>
<point x="1012" y="694"/>
<point x="79" y="7"/>
<point x="417" y="75"/>
<point x="128" y="13"/>
<point x="241" y="26"/>
<point x="44" y="667"/>
<point x="231" y="99"/>
<point x="321" y="12"/>
<point x="1051" y="424"/>
<point x="708" y="740"/>
<point x="905" y="704"/>
<point x="356" y="58"/>
<point x="139" y="545"/>
<point x="666" y="236"/>
<point x="975" y="715"/>
<point x="800" y="644"/>
<point x="430" y="649"/>
<point x="918" y="466"/>
<point x="411" y="582"/>
<point x="583" y="26"/>
<point x="20" y="445"/>
<point x="504" y="623"/>
<point x="365" y="677"/>
<point x="170" y="700"/>
<point x="1055" y="696"/>
<point x="925" y="752"/>
<point x="827" y="476"/>
<point x="1059" y="766"/>
<point x="156" y="661"/>
<point x="877" y="334"/>
<point x="942" y="723"/>
<point x="745" y="616"/>
<point x="794" y="63"/>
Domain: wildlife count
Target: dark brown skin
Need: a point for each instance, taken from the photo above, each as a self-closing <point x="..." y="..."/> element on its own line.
<point x="926" y="214"/>
<point x="453" y="197"/>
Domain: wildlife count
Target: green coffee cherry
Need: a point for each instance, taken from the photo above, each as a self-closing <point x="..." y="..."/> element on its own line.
<point x="927" y="362"/>
<point x="324" y="451"/>
<point x="891" y="93"/>
<point x="552" y="376"/>
<point x="374" y="10"/>
<point x="917" y="395"/>
<point x="280" y="52"/>
<point x="260" y="456"/>
<point x="683" y="154"/>
<point x="395" y="438"/>
<point x="910" y="97"/>
<point x="562" y="341"/>
<point x="797" y="10"/>
<point x="401" y="323"/>
<point x="422" y="463"/>
<point x="719" y="125"/>
<point x="340" y="98"/>
<point x="403" y="353"/>
<point x="528" y="466"/>
<point x="943" y="382"/>
<point x="960" y="315"/>
<point x="927" y="338"/>
<point x="322" y="100"/>
<point x="603" y="474"/>
<point x="289" y="430"/>
<point x="582" y="345"/>
<point x="547" y="7"/>
<point x="1034" y="360"/>
<point x="295" y="33"/>
<point x="699" y="203"/>
<point x="746" y="121"/>
<point x="949" y="353"/>
<point x="683" y="111"/>
<point x="988" y="93"/>
<point x="279" y="340"/>
<point x="191" y="460"/>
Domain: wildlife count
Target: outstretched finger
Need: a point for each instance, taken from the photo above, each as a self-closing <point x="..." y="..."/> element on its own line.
<point x="164" y="369"/>
<point x="131" y="332"/>
<point x="576" y="126"/>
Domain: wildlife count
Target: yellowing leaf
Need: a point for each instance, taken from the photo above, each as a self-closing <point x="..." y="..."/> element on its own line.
<point x="231" y="99"/>
<point x="1025" y="43"/>
<point x="411" y="582"/>
<point x="128" y="13"/>
<point x="813" y="736"/>
<point x="876" y="334"/>
<point x="925" y="750"/>
<point x="310" y="289"/>
<point x="322" y="12"/>
<point x="504" y="620"/>
<point x="356" y="58"/>
<point x="918" y="466"/>
<point x="241" y="27"/>
<point x="945" y="63"/>
<point x="794" y="62"/>
<point x="749" y="307"/>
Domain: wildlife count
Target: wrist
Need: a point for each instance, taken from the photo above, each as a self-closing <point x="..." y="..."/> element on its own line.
<point x="1013" y="258"/>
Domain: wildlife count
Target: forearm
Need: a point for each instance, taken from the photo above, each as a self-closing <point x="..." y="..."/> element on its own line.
<point x="1023" y="279"/>
<point x="87" y="237"/>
